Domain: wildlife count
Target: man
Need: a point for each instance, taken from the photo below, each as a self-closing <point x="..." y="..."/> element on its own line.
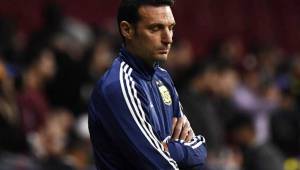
<point x="135" y="117"/>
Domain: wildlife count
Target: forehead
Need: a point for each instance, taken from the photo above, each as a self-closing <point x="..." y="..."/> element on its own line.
<point x="156" y="14"/>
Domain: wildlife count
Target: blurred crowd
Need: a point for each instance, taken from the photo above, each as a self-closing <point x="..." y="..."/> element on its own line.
<point x="245" y="101"/>
<point x="244" y="98"/>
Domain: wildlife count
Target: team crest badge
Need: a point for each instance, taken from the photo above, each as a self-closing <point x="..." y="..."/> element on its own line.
<point x="164" y="92"/>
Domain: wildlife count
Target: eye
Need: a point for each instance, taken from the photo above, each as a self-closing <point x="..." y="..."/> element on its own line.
<point x="155" y="28"/>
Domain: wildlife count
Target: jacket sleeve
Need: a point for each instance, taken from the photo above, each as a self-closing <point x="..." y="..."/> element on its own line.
<point x="189" y="155"/>
<point x="126" y="120"/>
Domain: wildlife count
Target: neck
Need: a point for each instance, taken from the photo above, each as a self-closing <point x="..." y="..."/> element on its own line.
<point x="146" y="60"/>
<point x="136" y="62"/>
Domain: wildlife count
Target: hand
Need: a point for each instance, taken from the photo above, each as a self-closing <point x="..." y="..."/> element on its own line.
<point x="181" y="129"/>
<point x="166" y="149"/>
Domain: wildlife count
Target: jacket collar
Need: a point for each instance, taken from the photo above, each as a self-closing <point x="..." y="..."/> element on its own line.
<point x="138" y="65"/>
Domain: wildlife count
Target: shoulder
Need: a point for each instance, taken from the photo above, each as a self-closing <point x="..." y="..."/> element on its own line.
<point x="113" y="81"/>
<point x="110" y="80"/>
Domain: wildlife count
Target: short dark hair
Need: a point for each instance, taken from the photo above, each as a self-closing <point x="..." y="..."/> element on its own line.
<point x="128" y="10"/>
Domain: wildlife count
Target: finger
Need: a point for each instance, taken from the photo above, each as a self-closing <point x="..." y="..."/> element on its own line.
<point x="178" y="128"/>
<point x="190" y="136"/>
<point x="174" y="121"/>
<point x="185" y="130"/>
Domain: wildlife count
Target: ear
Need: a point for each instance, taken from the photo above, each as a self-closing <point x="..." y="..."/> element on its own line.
<point x="126" y="29"/>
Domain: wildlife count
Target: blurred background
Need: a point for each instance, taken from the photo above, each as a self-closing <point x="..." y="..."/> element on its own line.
<point x="235" y="63"/>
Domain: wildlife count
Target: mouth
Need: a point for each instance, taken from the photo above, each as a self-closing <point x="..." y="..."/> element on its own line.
<point x="163" y="51"/>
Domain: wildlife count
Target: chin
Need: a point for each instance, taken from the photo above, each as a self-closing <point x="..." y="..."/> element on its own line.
<point x="162" y="57"/>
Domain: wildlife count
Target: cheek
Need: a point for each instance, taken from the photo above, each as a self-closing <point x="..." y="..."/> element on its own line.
<point x="151" y="40"/>
<point x="153" y="45"/>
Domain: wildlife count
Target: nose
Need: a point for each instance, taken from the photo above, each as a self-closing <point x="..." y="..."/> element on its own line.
<point x="167" y="36"/>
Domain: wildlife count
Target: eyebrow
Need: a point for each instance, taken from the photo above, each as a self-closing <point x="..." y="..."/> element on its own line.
<point x="161" y="25"/>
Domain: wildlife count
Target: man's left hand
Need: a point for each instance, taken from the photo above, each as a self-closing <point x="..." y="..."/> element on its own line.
<point x="181" y="129"/>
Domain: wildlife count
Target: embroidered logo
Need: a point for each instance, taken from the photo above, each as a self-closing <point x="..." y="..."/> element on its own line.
<point x="164" y="92"/>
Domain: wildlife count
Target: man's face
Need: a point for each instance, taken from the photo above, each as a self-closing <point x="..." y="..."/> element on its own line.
<point x="152" y="37"/>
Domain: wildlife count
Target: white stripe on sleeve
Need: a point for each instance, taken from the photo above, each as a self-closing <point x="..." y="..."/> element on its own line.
<point x="139" y="118"/>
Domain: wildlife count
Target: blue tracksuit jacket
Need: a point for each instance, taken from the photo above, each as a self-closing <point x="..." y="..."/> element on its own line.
<point x="130" y="114"/>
